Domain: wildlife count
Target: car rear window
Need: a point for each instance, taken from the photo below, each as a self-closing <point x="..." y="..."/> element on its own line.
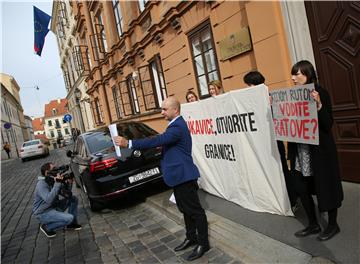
<point x="135" y="130"/>
<point x="31" y="143"/>
<point x="101" y="142"/>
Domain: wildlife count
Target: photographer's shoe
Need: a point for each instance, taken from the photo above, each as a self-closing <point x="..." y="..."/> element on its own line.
<point x="74" y="226"/>
<point x="47" y="232"/>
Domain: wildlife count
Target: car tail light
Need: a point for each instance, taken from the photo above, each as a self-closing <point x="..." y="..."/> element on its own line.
<point x="40" y="146"/>
<point x="102" y="165"/>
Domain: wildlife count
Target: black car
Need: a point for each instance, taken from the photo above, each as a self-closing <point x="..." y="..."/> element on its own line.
<point x="103" y="175"/>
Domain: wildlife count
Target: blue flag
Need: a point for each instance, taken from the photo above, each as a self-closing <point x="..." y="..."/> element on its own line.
<point x="41" y="22"/>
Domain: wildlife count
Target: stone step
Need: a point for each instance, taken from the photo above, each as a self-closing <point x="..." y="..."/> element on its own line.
<point x="237" y="240"/>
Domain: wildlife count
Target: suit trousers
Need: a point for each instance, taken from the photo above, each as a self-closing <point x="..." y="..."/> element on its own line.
<point x="188" y="203"/>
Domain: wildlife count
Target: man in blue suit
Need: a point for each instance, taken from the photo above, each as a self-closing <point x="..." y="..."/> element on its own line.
<point x="179" y="172"/>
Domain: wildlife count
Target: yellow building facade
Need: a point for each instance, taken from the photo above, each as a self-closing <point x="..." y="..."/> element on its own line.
<point x="147" y="53"/>
<point x="133" y="54"/>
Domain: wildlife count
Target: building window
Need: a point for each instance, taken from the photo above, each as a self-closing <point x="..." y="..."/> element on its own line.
<point x="100" y="32"/>
<point x="142" y="5"/>
<point x="63" y="17"/>
<point x="81" y="59"/>
<point x="66" y="131"/>
<point x="128" y="96"/>
<point x="60" y="28"/>
<point x="118" y="16"/>
<point x="153" y="83"/>
<point x="67" y="79"/>
<point x="204" y="57"/>
<point x="57" y="123"/>
<point x="52" y="134"/>
<point x="59" y="133"/>
<point x="54" y="111"/>
<point x="71" y="72"/>
<point x="49" y="123"/>
<point x="97" y="111"/>
<point x="117" y="102"/>
<point x="132" y="89"/>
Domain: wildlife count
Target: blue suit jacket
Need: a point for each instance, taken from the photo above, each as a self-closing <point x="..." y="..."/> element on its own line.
<point x="177" y="163"/>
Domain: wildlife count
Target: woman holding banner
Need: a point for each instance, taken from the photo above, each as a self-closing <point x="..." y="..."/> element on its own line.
<point x="191" y="97"/>
<point x="315" y="167"/>
<point x="253" y="78"/>
<point x="215" y="88"/>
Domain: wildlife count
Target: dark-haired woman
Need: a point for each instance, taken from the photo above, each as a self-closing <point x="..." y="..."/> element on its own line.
<point x="316" y="167"/>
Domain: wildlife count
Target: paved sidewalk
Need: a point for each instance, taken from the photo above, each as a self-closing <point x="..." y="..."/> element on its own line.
<point x="131" y="231"/>
<point x="138" y="233"/>
<point x="237" y="240"/>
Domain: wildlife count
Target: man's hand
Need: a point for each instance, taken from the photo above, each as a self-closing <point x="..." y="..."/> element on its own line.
<point x="59" y="178"/>
<point x="121" y="142"/>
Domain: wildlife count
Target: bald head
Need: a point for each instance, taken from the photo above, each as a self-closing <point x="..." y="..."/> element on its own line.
<point x="170" y="108"/>
<point x="173" y="102"/>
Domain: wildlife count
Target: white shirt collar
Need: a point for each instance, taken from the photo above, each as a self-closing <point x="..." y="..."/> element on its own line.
<point x="172" y="121"/>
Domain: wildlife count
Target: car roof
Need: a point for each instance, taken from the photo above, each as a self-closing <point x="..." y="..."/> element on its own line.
<point x="31" y="140"/>
<point x="106" y="129"/>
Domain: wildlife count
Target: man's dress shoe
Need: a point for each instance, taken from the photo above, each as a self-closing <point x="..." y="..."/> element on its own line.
<point x="328" y="233"/>
<point x="184" y="245"/>
<point x="198" y="252"/>
<point x="313" y="229"/>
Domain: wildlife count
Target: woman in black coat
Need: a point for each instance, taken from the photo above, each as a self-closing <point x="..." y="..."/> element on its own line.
<point x="315" y="168"/>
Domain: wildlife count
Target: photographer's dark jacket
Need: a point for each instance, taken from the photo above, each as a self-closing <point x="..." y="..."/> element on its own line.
<point x="45" y="196"/>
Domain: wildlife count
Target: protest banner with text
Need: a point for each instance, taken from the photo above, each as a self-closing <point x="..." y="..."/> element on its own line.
<point x="295" y="114"/>
<point x="235" y="149"/>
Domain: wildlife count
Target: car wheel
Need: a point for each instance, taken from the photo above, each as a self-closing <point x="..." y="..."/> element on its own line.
<point x="23" y="160"/>
<point x="95" y="206"/>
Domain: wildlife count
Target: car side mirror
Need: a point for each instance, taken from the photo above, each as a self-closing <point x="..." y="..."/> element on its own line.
<point x="69" y="153"/>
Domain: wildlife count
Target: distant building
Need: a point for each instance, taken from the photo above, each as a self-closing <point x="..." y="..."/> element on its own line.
<point x="28" y="128"/>
<point x="12" y="117"/>
<point x="38" y="127"/>
<point x="54" y="124"/>
<point x="74" y="65"/>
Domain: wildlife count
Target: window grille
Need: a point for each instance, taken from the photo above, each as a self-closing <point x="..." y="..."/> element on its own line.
<point x="117" y="102"/>
<point x="204" y="57"/>
<point x="81" y="59"/>
<point x="126" y="98"/>
<point x="152" y="83"/>
<point x="118" y="16"/>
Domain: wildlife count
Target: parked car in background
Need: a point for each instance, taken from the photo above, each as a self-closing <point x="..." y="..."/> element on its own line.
<point x="103" y="175"/>
<point x="67" y="142"/>
<point x="33" y="148"/>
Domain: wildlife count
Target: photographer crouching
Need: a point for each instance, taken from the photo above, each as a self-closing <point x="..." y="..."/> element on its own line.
<point x="52" y="197"/>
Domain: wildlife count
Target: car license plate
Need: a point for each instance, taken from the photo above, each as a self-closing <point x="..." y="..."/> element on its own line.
<point x="144" y="174"/>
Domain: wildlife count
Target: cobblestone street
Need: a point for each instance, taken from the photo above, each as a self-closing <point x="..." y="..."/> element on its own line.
<point x="125" y="233"/>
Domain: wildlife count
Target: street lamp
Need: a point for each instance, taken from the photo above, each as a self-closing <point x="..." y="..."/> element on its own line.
<point x="77" y="93"/>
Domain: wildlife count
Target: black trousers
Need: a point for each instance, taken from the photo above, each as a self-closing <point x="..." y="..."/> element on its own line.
<point x="290" y="185"/>
<point x="188" y="203"/>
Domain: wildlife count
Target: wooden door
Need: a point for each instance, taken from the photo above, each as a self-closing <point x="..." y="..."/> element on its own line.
<point x="335" y="33"/>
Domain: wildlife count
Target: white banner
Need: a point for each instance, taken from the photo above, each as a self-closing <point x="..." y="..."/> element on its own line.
<point x="295" y="114"/>
<point x="235" y="149"/>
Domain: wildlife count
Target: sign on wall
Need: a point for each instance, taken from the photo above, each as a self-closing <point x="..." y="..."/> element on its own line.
<point x="235" y="149"/>
<point x="295" y="114"/>
<point x="235" y="44"/>
<point x="7" y="125"/>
